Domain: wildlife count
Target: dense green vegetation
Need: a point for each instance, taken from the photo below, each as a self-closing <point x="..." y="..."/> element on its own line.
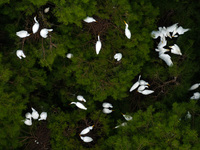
<point x="48" y="81"/>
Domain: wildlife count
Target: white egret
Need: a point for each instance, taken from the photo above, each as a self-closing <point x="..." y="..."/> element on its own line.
<point x="166" y="58"/>
<point x="20" y="54"/>
<point x="142" y="82"/>
<point x="79" y="105"/>
<point x="164" y="32"/>
<point x="89" y="20"/>
<point x="46" y="10"/>
<point x="172" y="28"/>
<point x="86" y="130"/>
<point x="127" y="31"/>
<point x="107" y="105"/>
<point x="121" y="125"/>
<point x="107" y="111"/>
<point x="81" y="98"/>
<point x="98" y="45"/>
<point x="161" y="50"/>
<point x="127" y="117"/>
<point x="146" y="92"/>
<point x="28" y="122"/>
<point x="44" y="32"/>
<point x="188" y="116"/>
<point x="35" y="26"/>
<point x="155" y="34"/>
<point x="86" y="139"/>
<point x="142" y="87"/>
<point x="28" y="115"/>
<point x="34" y="114"/>
<point x="175" y="49"/>
<point x="196" y="95"/>
<point x="180" y="30"/>
<point x="43" y="116"/>
<point x="118" y="56"/>
<point x="162" y="43"/>
<point x="135" y="85"/>
<point x="69" y="55"/>
<point x="195" y="86"/>
<point x="22" y="34"/>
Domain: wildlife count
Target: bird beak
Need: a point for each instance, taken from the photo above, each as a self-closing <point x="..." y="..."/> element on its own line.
<point x="122" y="113"/>
<point x="125" y="22"/>
<point x="170" y="46"/>
<point x="168" y="49"/>
<point x="148" y="84"/>
<point x="93" y="126"/>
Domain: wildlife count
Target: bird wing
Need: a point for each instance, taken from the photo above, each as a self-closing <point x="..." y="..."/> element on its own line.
<point x="98" y="47"/>
<point x="166" y="58"/>
<point x="135" y="85"/>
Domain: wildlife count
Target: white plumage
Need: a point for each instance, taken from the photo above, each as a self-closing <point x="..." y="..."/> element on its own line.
<point x="175" y="49"/>
<point x="44" y="32"/>
<point x="195" y="86"/>
<point x="28" y="115"/>
<point x="86" y="139"/>
<point x="20" y="54"/>
<point x="69" y="55"/>
<point x="22" y="34"/>
<point x="28" y="122"/>
<point x="86" y="130"/>
<point x="142" y="87"/>
<point x="81" y="98"/>
<point x="34" y="114"/>
<point x="121" y="125"/>
<point x="161" y="50"/>
<point x="146" y="92"/>
<point x="118" y="56"/>
<point x="35" y="26"/>
<point x="135" y="85"/>
<point x="98" y="45"/>
<point x="196" y="95"/>
<point x="127" y="117"/>
<point x="46" y="10"/>
<point x="79" y="105"/>
<point x="180" y="30"/>
<point x="89" y="20"/>
<point x="43" y="116"/>
<point x="127" y="31"/>
<point x="107" y="105"/>
<point x="107" y="111"/>
<point x="166" y="58"/>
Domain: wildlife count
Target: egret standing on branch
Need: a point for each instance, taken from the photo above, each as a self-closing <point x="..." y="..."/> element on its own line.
<point x="79" y="105"/>
<point x="44" y="32"/>
<point x="35" y="26"/>
<point x="89" y="20"/>
<point x="98" y="45"/>
<point x="22" y="34"/>
<point x="127" y="31"/>
<point x="20" y="54"/>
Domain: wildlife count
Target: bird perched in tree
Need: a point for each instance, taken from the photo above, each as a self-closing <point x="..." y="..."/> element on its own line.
<point x="127" y="117"/>
<point x="22" y="34"/>
<point x="46" y="10"/>
<point x="43" y="116"/>
<point x="196" y="95"/>
<point x="167" y="59"/>
<point x="146" y="92"/>
<point x="180" y="30"/>
<point x="28" y="115"/>
<point x="155" y="34"/>
<point x="127" y="31"/>
<point x="79" y="105"/>
<point x="28" y="122"/>
<point x="136" y="84"/>
<point x="20" y="54"/>
<point x="86" y="130"/>
<point x="121" y="125"/>
<point x="172" y="28"/>
<point x="107" y="111"/>
<point x="69" y="55"/>
<point x="89" y="20"/>
<point x="86" y="139"/>
<point x="35" y="26"/>
<point x="188" y="116"/>
<point x="81" y="98"/>
<point x="98" y="45"/>
<point x="161" y="50"/>
<point x="107" y="105"/>
<point x="142" y="87"/>
<point x="142" y="82"/>
<point x="118" y="56"/>
<point x="195" y="86"/>
<point x="44" y="32"/>
<point x="34" y="114"/>
<point x="175" y="49"/>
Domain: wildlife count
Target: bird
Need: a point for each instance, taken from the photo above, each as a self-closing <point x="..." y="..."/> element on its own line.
<point x="44" y="32"/>
<point x="162" y="43"/>
<point x="107" y="105"/>
<point x="161" y="50"/>
<point x="28" y="115"/>
<point x="89" y="20"/>
<point x="69" y="55"/>
<point x="167" y="59"/>
<point x="155" y="34"/>
<point x="46" y="10"/>
<point x="175" y="49"/>
<point x="136" y="84"/>
<point x="127" y="31"/>
<point x="107" y="111"/>
<point x="196" y="95"/>
<point x="142" y="87"/>
<point x="146" y="92"/>
<point x="188" y="116"/>
<point x="20" y="54"/>
<point x="80" y="98"/>
<point x="35" y="26"/>
<point x="34" y="114"/>
<point x="195" y="86"/>
<point x="43" y="116"/>
<point x="98" y="45"/>
<point x="86" y="130"/>
<point x="127" y="117"/>
<point x="180" y="30"/>
<point x="22" y="34"/>
<point x="28" y="122"/>
<point x="142" y="82"/>
<point x="172" y="28"/>
<point x="123" y="124"/>
<point x="79" y="105"/>
<point x="118" y="56"/>
<point x="86" y="139"/>
<point x="164" y="32"/>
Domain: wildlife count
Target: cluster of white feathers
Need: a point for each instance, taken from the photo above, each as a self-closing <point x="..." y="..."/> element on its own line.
<point x="35" y="115"/>
<point x="118" y="56"/>
<point x="127" y="118"/>
<point x="86" y="139"/>
<point x="106" y="107"/>
<point x="23" y="34"/>
<point x="141" y="85"/>
<point x="196" y="95"/>
<point x="164" y="32"/>
<point x="78" y="104"/>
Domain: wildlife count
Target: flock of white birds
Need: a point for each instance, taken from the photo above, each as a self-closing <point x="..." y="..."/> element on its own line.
<point x="140" y="85"/>
<point x="164" y="32"/>
<point x="35" y="115"/>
